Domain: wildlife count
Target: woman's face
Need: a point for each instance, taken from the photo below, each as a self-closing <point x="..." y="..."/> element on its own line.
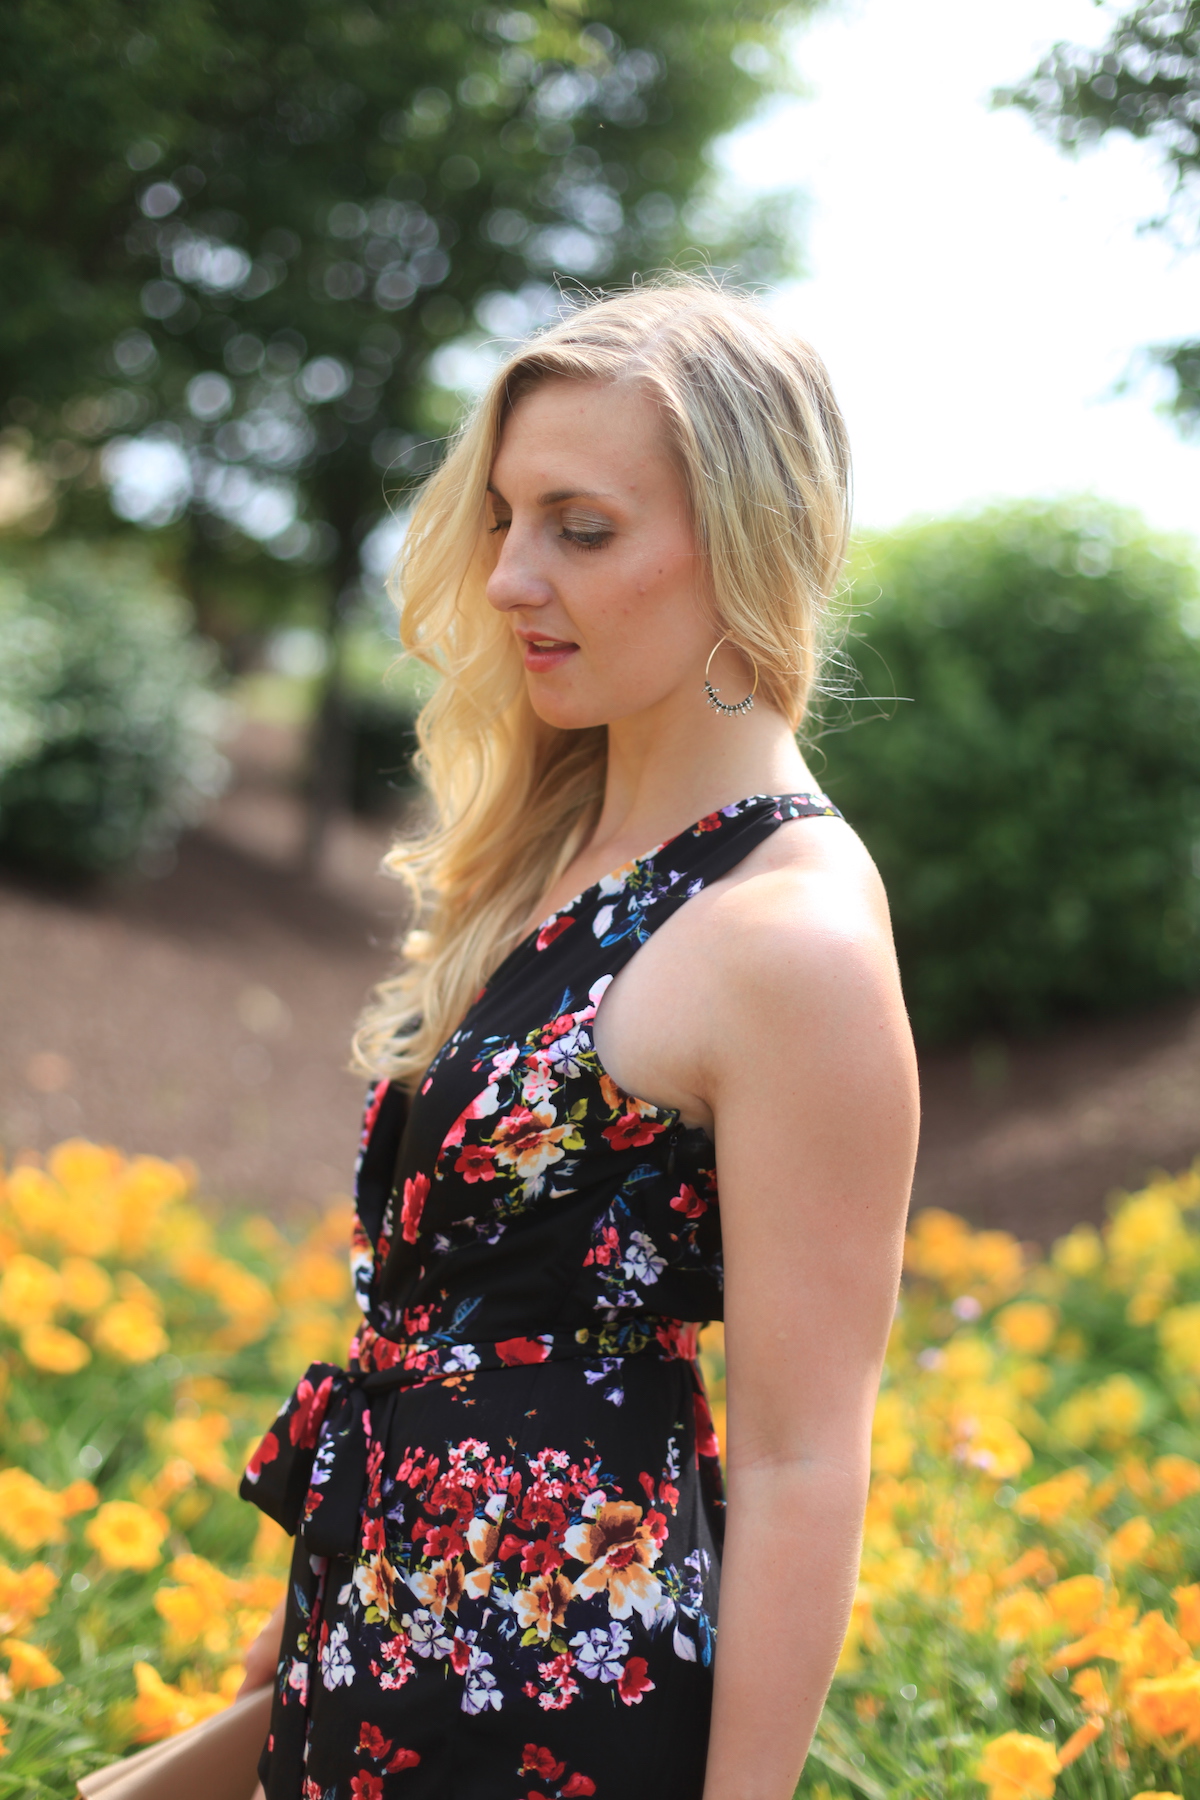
<point x="596" y="564"/>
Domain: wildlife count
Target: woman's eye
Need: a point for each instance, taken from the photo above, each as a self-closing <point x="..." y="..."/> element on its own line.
<point x="498" y="525"/>
<point x="589" y="534"/>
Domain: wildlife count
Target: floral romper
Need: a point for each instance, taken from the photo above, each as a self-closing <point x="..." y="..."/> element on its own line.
<point x="508" y="1507"/>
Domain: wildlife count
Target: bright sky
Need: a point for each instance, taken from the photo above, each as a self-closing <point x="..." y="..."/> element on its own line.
<point x="975" y="293"/>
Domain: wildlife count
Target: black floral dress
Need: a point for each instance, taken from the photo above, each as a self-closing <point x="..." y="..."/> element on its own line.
<point x="508" y="1507"/>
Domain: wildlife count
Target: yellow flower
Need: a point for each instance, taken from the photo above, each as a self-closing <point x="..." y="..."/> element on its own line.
<point x="50" y="1347"/>
<point x="996" y="1447"/>
<point x="1153" y="1648"/>
<point x="1157" y="1794"/>
<point x="36" y="1201"/>
<point x="1178" y="1477"/>
<point x="198" y="1442"/>
<point x="1129" y="1543"/>
<point x="1034" y="1563"/>
<point x="1080" y="1253"/>
<point x="131" y="1330"/>
<point x="1016" y="1766"/>
<point x="892" y="1446"/>
<point x="1148" y="1231"/>
<point x="1079" y="1741"/>
<point x="1022" y="1614"/>
<point x="973" y="1591"/>
<point x="85" y="1173"/>
<point x="24" y="1595"/>
<point x="1187" y="1612"/>
<point x="1166" y="1710"/>
<point x="1049" y="1501"/>
<point x="938" y="1246"/>
<point x="197" y="1610"/>
<point x="1078" y="1602"/>
<point x="1112" y="1411"/>
<point x="143" y="1191"/>
<point x="1027" y="1326"/>
<point x="126" y="1535"/>
<point x="28" y="1667"/>
<point x="1179" y="1335"/>
<point x="161" y="1710"/>
<point x="313" y="1275"/>
<point x="30" y="1515"/>
<point x="77" y="1497"/>
<point x="86" y="1287"/>
<point x="30" y="1291"/>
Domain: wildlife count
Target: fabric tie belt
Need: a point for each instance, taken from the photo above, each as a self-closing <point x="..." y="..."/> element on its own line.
<point x="310" y="1470"/>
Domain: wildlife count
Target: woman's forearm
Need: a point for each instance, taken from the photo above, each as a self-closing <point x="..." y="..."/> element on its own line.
<point x="787" y="1584"/>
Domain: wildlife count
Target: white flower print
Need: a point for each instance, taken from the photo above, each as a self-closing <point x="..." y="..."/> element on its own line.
<point x="463" y="1356"/>
<point x="603" y="920"/>
<point x="336" y="1666"/>
<point x="426" y="1634"/>
<point x="480" y="1690"/>
<point x="600" y="1654"/>
<point x="641" y="1261"/>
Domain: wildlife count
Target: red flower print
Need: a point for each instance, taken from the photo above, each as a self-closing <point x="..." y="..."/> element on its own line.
<point x="373" y="1537"/>
<point x="304" y="1426"/>
<point x="710" y="822"/>
<point x="553" y="928"/>
<point x="542" y="1557"/>
<point x="267" y="1451"/>
<point x="558" y="1027"/>
<point x="403" y="1759"/>
<point x="577" y="1787"/>
<point x="706" y="1437"/>
<point x="512" y="1351"/>
<point x="372" y="1112"/>
<point x="631" y="1130"/>
<point x="688" y="1202"/>
<point x="371" y="1742"/>
<point x="366" y="1786"/>
<point x="476" y="1163"/>
<point x="460" y="1655"/>
<point x="633" y="1682"/>
<point x="415" y="1192"/>
<point x="444" y="1541"/>
<point x="539" y="1761"/>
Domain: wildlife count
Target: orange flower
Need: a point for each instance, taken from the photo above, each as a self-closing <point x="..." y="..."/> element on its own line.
<point x="29" y="1667"/>
<point x="1049" y="1501"/>
<point x="161" y="1710"/>
<point x="1079" y="1741"/>
<point x="1152" y="1648"/>
<point x="126" y="1535"/>
<point x="24" y="1595"/>
<point x="57" y="1351"/>
<point x="1089" y="1684"/>
<point x="1178" y="1477"/>
<point x="1022" y="1614"/>
<point x="1078" y="1601"/>
<point x="1166" y="1710"/>
<point x="1016" y="1766"/>
<point x="30" y="1515"/>
<point x="1035" y="1564"/>
<point x="440" y="1587"/>
<point x="30" y="1290"/>
<point x="1027" y="1326"/>
<point x="620" y="1548"/>
<point x="1129" y="1543"/>
<point x="543" y="1604"/>
<point x="86" y="1287"/>
<point x="1187" y="1612"/>
<point x="131" y="1330"/>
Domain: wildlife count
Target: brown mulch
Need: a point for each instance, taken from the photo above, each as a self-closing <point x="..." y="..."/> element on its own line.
<point x="207" y="1013"/>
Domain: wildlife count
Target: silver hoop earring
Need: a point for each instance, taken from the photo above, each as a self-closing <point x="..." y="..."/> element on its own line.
<point x="714" y="699"/>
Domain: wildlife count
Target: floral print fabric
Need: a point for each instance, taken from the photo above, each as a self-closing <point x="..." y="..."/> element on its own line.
<point x="508" y="1505"/>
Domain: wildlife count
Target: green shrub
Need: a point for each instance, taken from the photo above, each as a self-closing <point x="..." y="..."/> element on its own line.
<point x="108" y="713"/>
<point x="1035" y="810"/>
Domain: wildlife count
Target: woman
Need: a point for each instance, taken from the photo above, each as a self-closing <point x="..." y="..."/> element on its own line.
<point x="510" y="1515"/>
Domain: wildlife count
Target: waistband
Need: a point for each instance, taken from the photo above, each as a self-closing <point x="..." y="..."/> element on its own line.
<point x="310" y="1470"/>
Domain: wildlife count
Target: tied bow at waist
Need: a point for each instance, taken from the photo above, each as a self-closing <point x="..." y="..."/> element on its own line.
<point x="310" y="1470"/>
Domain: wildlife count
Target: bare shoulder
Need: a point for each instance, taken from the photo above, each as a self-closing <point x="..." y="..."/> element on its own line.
<point x="809" y="890"/>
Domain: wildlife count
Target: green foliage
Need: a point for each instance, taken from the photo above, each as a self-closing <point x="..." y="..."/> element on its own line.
<point x="246" y="225"/>
<point x="107" y="711"/>
<point x="1035" y="810"/>
<point x="1145" y="80"/>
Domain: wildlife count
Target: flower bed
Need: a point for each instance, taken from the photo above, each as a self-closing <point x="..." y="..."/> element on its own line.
<point x="1028" y="1620"/>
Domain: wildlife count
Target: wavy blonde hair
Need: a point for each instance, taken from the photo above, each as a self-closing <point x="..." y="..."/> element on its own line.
<point x="752" y="422"/>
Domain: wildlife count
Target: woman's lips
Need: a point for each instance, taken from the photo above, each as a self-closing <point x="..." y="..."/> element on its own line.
<point x="543" y="654"/>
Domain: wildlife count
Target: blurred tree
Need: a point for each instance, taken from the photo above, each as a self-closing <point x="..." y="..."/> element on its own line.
<point x="235" y="233"/>
<point x="1145" y="80"/>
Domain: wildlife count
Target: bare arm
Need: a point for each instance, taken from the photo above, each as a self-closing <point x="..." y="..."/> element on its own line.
<point x="262" y="1658"/>
<point x="812" y="1086"/>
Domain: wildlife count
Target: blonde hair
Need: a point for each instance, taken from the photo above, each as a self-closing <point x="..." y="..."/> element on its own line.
<point x="752" y="422"/>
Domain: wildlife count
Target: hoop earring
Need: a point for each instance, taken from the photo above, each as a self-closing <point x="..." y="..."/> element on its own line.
<point x="714" y="700"/>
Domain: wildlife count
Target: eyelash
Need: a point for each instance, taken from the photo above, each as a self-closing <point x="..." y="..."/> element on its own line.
<point x="585" y="541"/>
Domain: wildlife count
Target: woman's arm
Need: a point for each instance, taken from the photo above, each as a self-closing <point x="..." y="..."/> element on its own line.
<point x="812" y="1084"/>
<point x="262" y="1658"/>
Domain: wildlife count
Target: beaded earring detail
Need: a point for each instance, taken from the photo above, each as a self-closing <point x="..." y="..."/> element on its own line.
<point x="714" y="699"/>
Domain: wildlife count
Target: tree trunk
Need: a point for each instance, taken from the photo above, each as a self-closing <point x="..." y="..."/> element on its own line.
<point x="329" y="741"/>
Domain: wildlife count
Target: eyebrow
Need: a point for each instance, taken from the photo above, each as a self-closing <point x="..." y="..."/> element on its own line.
<point x="556" y="496"/>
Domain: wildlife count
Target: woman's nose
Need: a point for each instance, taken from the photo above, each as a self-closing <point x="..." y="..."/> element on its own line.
<point x="517" y="578"/>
